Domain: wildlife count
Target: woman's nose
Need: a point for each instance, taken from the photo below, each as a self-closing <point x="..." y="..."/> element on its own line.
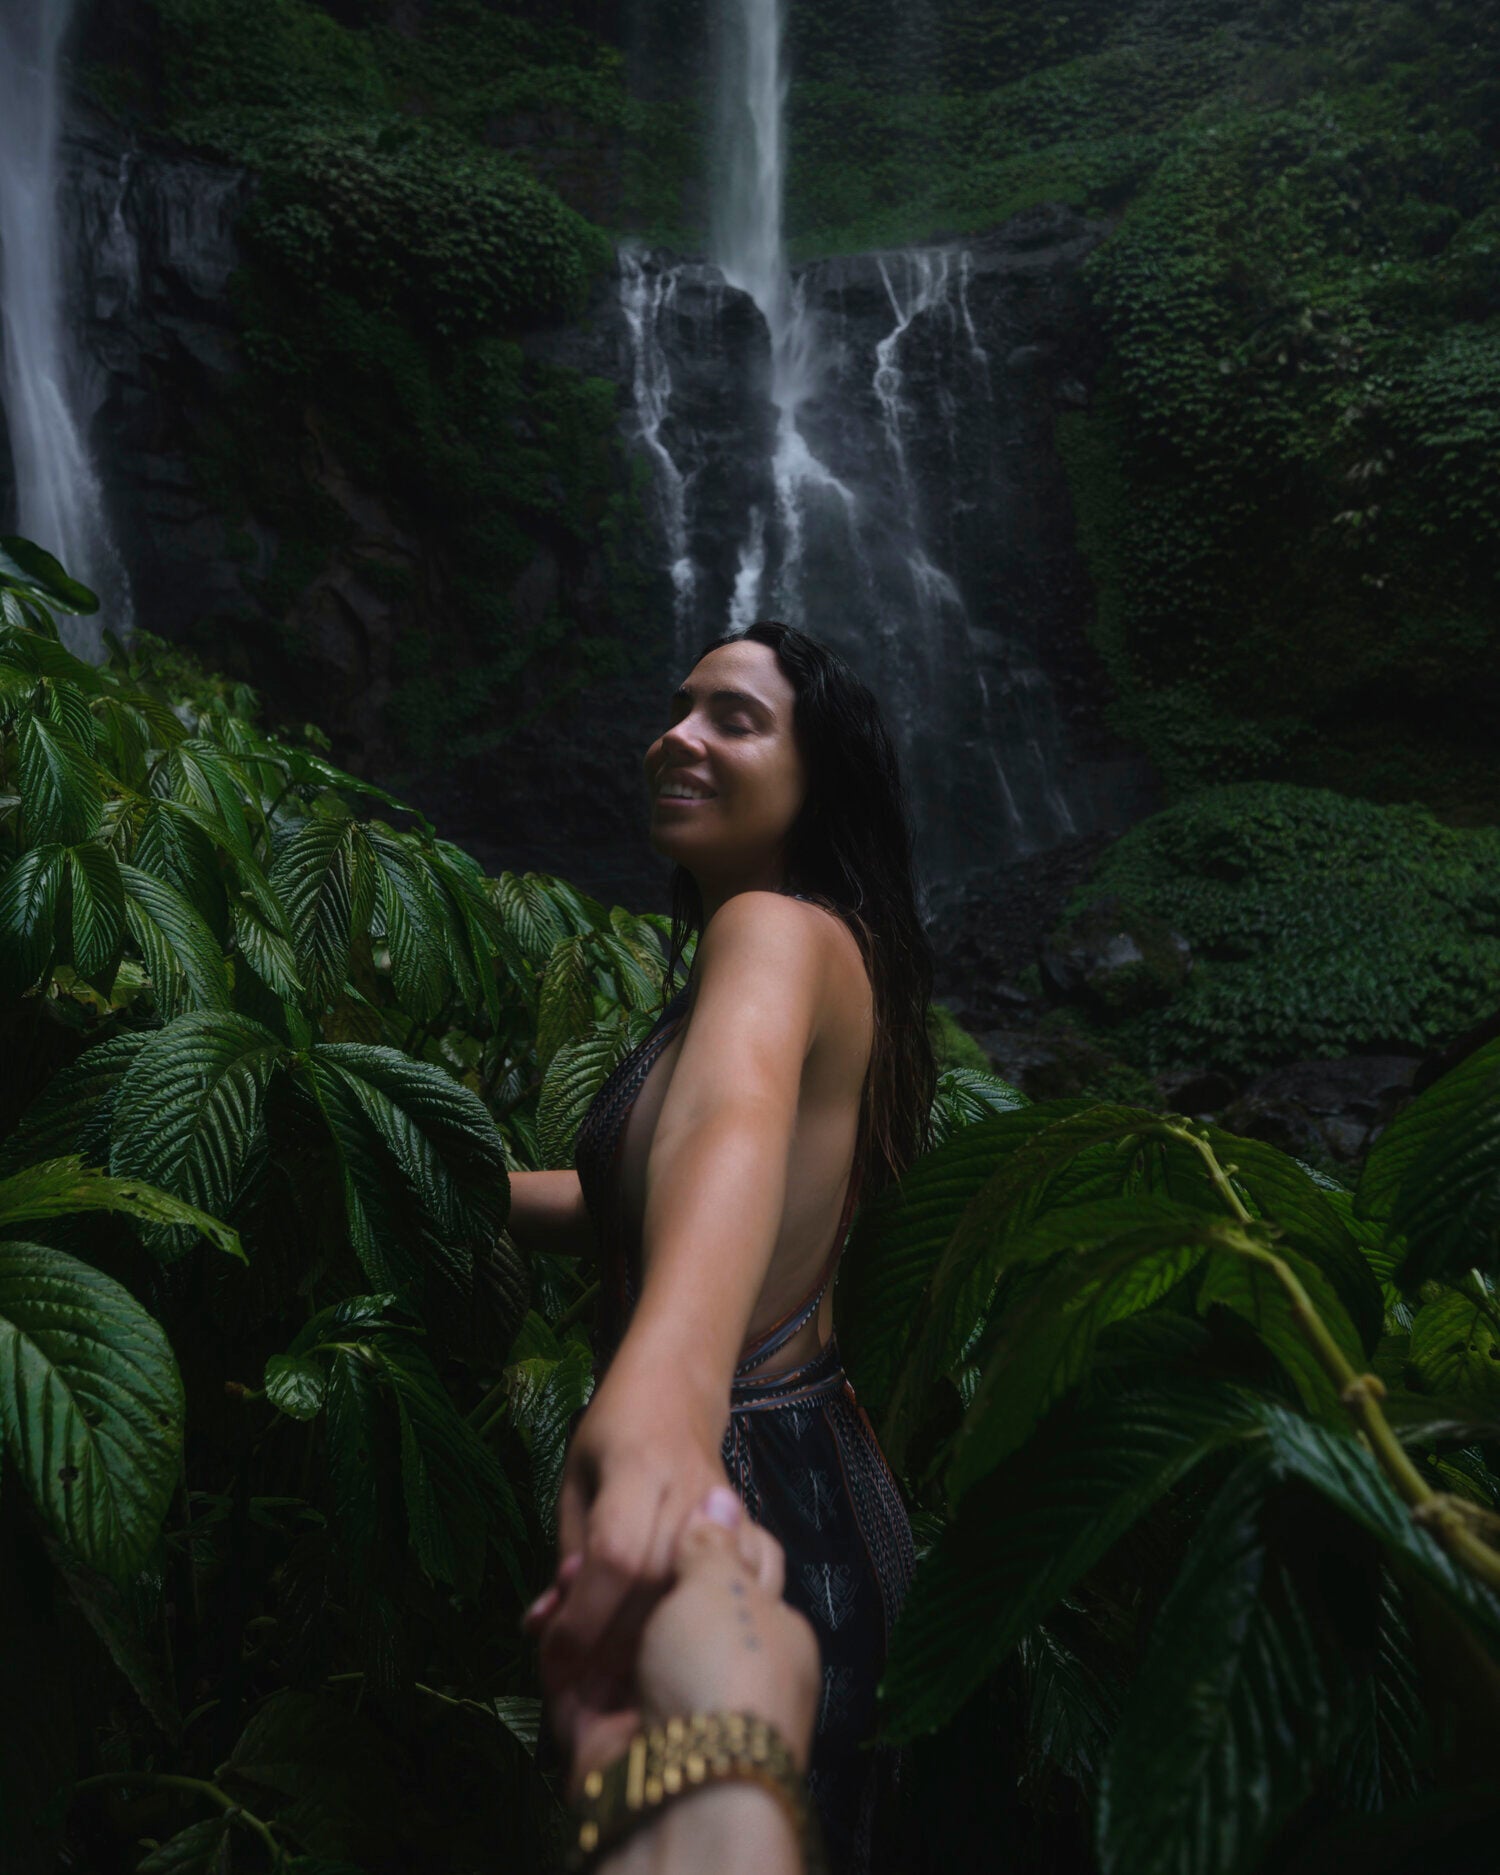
<point x="684" y="735"/>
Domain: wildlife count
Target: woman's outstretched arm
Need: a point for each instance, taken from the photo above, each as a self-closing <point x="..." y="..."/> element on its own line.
<point x="647" y="1449"/>
<point x="547" y="1212"/>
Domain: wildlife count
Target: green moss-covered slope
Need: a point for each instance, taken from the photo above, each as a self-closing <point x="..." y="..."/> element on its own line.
<point x="1319" y="926"/>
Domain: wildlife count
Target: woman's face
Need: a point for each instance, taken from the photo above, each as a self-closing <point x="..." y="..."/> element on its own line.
<point x="727" y="779"/>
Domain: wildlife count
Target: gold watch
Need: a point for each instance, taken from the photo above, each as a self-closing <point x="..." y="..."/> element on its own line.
<point x="667" y="1761"/>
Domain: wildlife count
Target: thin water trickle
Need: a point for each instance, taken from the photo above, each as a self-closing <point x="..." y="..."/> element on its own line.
<point x="59" y="502"/>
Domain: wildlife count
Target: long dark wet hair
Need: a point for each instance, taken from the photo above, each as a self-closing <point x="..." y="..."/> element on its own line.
<point x="851" y="848"/>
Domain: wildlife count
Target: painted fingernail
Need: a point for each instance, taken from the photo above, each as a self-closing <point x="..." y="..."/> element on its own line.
<point x="721" y="1506"/>
<point x="540" y="1608"/>
<point x="569" y="1567"/>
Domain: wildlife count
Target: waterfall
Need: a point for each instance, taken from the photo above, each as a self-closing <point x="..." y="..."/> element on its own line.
<point x="878" y="506"/>
<point x="748" y="245"/>
<point x="647" y="294"/>
<point x="59" y="501"/>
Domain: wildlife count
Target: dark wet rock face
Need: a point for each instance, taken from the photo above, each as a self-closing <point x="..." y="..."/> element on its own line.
<point x="1324" y="1110"/>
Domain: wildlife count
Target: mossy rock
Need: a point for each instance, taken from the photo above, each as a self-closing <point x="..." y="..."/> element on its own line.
<point x="1116" y="959"/>
<point x="1320" y="926"/>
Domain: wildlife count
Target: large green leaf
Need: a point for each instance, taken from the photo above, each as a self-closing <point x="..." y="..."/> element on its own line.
<point x="74" y="1111"/>
<point x="1455" y="1346"/>
<point x="1225" y="1724"/>
<point x="1118" y="1258"/>
<point x="1281" y="1191"/>
<point x="1252" y="1290"/>
<point x="899" y="1239"/>
<point x="1433" y="1176"/>
<point x="70" y="711"/>
<point x="416" y="924"/>
<point x="457" y="1497"/>
<point x="964" y="1096"/>
<point x="61" y="793"/>
<point x="172" y="845"/>
<point x="1073" y="1707"/>
<point x="61" y="1187"/>
<point x="438" y="1131"/>
<point x="90" y="1405"/>
<point x="577" y="1071"/>
<point x="529" y="916"/>
<point x="200" y="1849"/>
<point x="1336" y="1464"/>
<point x="29" y="568"/>
<point x="989" y="1236"/>
<point x="545" y="1396"/>
<point x="188" y="1114"/>
<point x="181" y="954"/>
<point x="325" y="878"/>
<point x="565" y="1009"/>
<point x="200" y="774"/>
<point x="1032" y="1528"/>
<point x="28" y="917"/>
<point x="96" y="906"/>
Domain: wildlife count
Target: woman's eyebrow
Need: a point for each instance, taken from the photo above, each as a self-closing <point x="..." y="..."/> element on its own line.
<point x="742" y="697"/>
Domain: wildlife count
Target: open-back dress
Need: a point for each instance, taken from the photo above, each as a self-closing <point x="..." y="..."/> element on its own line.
<point x="803" y="1456"/>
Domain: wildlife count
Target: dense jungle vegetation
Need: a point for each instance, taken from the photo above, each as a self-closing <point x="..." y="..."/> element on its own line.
<point x="1202" y="1446"/>
<point x="1297" y="296"/>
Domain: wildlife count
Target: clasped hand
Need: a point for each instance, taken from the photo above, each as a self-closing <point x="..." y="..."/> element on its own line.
<point x="639" y="1464"/>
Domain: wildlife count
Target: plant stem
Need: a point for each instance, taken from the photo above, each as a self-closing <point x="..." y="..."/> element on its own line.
<point x="200" y="1786"/>
<point x="1360" y="1393"/>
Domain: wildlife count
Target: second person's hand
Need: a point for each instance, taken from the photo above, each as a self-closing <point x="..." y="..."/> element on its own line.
<point x="642" y="1460"/>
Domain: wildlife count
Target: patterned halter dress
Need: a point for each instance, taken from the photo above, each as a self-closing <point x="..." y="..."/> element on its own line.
<point x="803" y="1456"/>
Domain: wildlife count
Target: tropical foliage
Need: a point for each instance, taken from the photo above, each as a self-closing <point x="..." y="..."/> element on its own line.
<point x="1199" y="1446"/>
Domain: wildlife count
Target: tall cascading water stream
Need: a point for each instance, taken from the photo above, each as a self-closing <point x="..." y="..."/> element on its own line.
<point x="59" y="502"/>
<point x="886" y="484"/>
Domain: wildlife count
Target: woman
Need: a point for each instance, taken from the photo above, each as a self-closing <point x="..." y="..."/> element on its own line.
<point x="718" y="1169"/>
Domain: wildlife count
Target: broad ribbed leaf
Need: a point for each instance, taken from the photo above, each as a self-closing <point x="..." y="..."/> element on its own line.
<point x="181" y="954"/>
<point x="28" y="917"/>
<point x="989" y="1237"/>
<point x="1455" y="1346"/>
<point x="899" y="1239"/>
<point x="456" y="1494"/>
<point x="31" y="569"/>
<point x="268" y="953"/>
<point x="96" y="906"/>
<point x="1073" y="1708"/>
<point x="199" y="773"/>
<point x="1225" y="1724"/>
<point x="61" y="1187"/>
<point x="640" y="987"/>
<point x="529" y="915"/>
<point x="325" y="878"/>
<point x="357" y="1439"/>
<point x="69" y="711"/>
<point x="1118" y="1258"/>
<point x="172" y="846"/>
<point x="61" y="793"/>
<point x="1032" y="1528"/>
<point x="545" y="1395"/>
<point x="1337" y="1465"/>
<point x="1281" y="1191"/>
<point x="438" y="1131"/>
<point x="90" y="1405"/>
<point x="188" y="1114"/>
<point x="565" y="1009"/>
<point x="415" y="924"/>
<point x="1433" y="1176"/>
<point x="577" y="1072"/>
<point x="296" y="1385"/>
<point x="1254" y="1291"/>
<point x="200" y="1849"/>
<point x="73" y="1112"/>
<point x="1378" y="1761"/>
<point x="964" y="1096"/>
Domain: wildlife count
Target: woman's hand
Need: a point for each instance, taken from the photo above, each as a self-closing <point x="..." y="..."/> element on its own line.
<point x="722" y="1639"/>
<point x="643" y="1456"/>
